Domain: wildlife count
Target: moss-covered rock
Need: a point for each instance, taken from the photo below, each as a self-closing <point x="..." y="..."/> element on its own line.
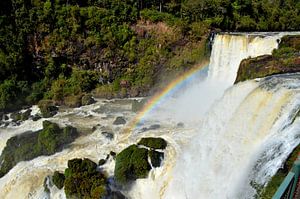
<point x="101" y="162"/>
<point x="285" y="59"/>
<point x="154" y="143"/>
<point x="16" y="116"/>
<point x="87" y="100"/>
<point x="73" y="101"/>
<point x="131" y="164"/>
<point x="58" y="179"/>
<point x="47" y="107"/>
<point x="20" y="116"/>
<point x="84" y="181"/>
<point x="30" y="145"/>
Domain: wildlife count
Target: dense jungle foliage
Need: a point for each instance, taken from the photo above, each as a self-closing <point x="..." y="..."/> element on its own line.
<point x="51" y="49"/>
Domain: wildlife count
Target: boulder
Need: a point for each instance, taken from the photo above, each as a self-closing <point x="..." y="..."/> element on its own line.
<point x="36" y="117"/>
<point x="137" y="105"/>
<point x="25" y="115"/>
<point x="108" y="135"/>
<point x="154" y="127"/>
<point x="19" y="116"/>
<point x="87" y="100"/>
<point x="101" y="162"/>
<point x="58" y="179"/>
<point x="73" y="101"/>
<point x="131" y="164"/>
<point x="47" y="107"/>
<point x="83" y="180"/>
<point x="16" y="116"/>
<point x="5" y="117"/>
<point x="156" y="158"/>
<point x="119" y="121"/>
<point x="180" y="124"/>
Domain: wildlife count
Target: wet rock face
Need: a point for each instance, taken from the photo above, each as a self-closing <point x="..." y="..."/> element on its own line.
<point x="119" y="121"/>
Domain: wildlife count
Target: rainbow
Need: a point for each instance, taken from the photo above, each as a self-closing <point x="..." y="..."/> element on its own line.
<point x="172" y="87"/>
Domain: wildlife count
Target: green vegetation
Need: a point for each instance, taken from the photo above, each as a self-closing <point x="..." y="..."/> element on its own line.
<point x="277" y="179"/>
<point x="30" y="145"/>
<point x="132" y="163"/>
<point x="154" y="143"/>
<point x="285" y="59"/>
<point x="61" y="49"/>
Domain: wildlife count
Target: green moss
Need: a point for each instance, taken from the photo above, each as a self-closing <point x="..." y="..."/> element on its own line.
<point x="154" y="143"/>
<point x="131" y="164"/>
<point x="58" y="179"/>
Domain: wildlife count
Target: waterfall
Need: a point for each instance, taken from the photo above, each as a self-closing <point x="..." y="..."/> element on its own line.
<point x="233" y="135"/>
<point x="229" y="50"/>
<point x="238" y="137"/>
<point x="245" y="137"/>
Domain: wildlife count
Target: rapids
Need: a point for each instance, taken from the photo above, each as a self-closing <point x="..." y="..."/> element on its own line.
<point x="232" y="135"/>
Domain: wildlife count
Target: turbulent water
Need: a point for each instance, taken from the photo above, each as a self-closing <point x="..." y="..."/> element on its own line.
<point x="232" y="135"/>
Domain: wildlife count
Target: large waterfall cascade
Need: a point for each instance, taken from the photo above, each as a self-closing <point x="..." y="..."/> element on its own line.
<point x="232" y="135"/>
